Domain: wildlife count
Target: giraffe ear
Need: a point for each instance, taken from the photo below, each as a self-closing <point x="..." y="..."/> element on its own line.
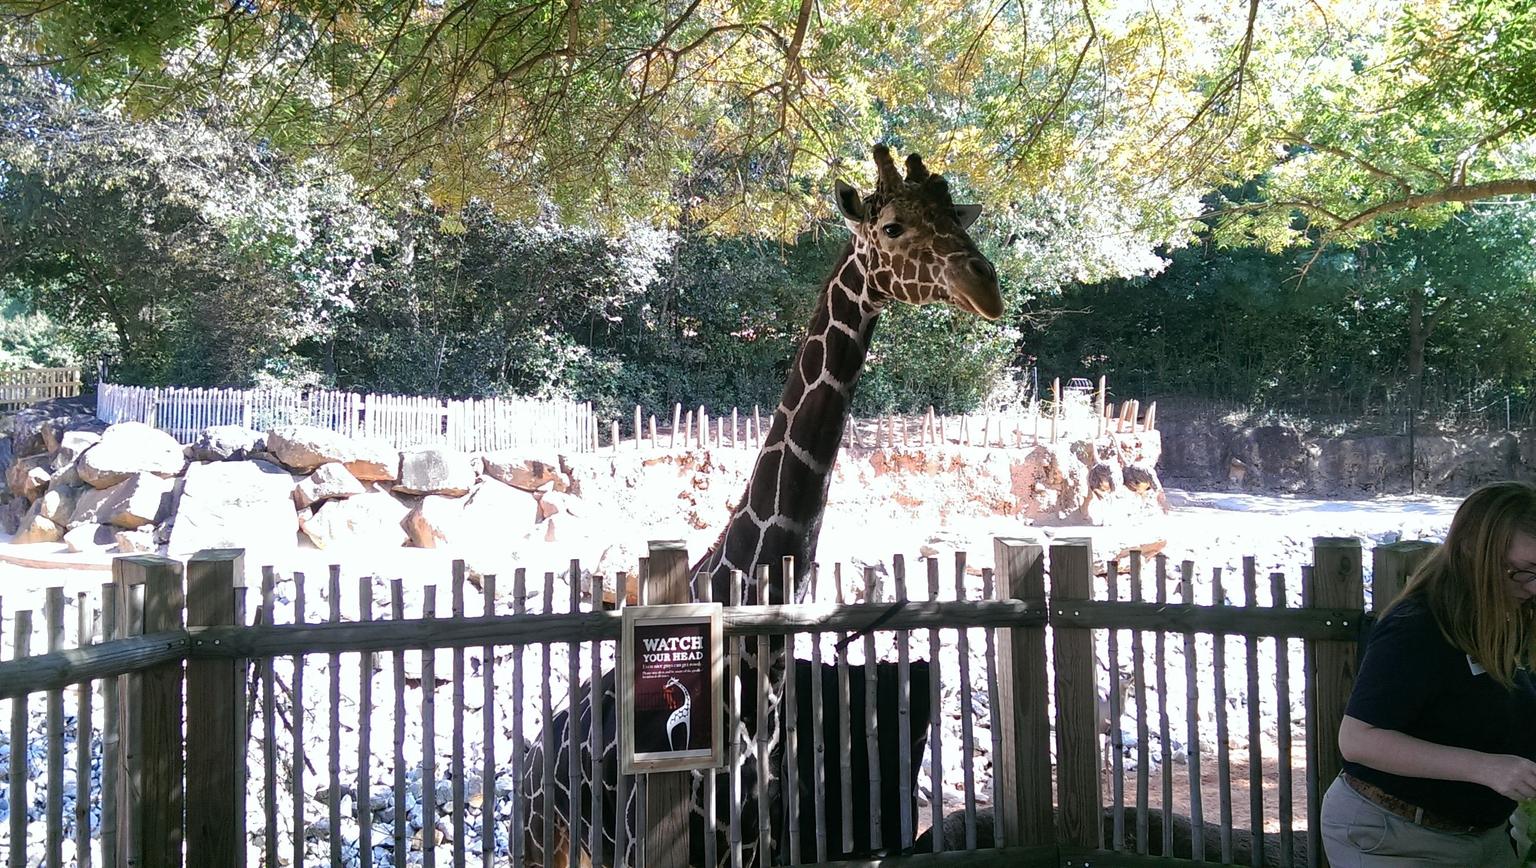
<point x="967" y="214"/>
<point x="849" y="203"/>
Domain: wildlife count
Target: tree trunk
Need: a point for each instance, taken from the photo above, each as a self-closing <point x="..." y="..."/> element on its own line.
<point x="1418" y="336"/>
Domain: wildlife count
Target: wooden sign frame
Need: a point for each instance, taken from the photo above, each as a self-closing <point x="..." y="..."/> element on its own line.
<point x="693" y="628"/>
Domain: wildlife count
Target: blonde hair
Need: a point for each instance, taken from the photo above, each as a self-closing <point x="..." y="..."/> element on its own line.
<point x="1465" y="585"/>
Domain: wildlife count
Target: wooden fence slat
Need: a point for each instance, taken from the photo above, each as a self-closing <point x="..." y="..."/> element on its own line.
<point x="818" y="736"/>
<point x="573" y="719"/>
<point x="1165" y="753"/>
<point x="160" y="739"/>
<point x="53" y="620"/>
<point x="623" y="800"/>
<point x="488" y="734"/>
<point x="86" y="633"/>
<point x="967" y="719"/>
<point x="456" y="760"/>
<point x="1334" y="581"/>
<point x="935" y="704"/>
<point x="20" y="770"/>
<point x="215" y="691"/>
<point x="733" y="748"/>
<point x="429" y="737"/>
<point x="1116" y="763"/>
<point x="399" y="818"/>
<point x="667" y="799"/>
<point x="299" y="706"/>
<point x="1255" y="725"/>
<point x="1192" y="718"/>
<point x="333" y="755"/>
<point x="1007" y="819"/>
<point x="595" y="730"/>
<point x="1285" y="796"/>
<point x="269" y="724"/>
<point x="764" y="735"/>
<point x="844" y="723"/>
<point x="547" y="710"/>
<point x="1076" y="719"/>
<point x="365" y="671"/>
<point x="1223" y="734"/>
<point x="520" y="810"/>
<point x="876" y="832"/>
<point x="903" y="706"/>
<point x="1139" y="688"/>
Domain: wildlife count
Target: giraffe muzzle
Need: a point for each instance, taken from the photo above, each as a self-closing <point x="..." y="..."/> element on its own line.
<point x="974" y="288"/>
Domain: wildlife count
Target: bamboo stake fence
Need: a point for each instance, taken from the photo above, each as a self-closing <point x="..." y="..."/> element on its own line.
<point x="21" y="388"/>
<point x="179" y="789"/>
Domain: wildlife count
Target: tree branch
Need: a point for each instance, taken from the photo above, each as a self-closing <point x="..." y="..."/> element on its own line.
<point x="1445" y="195"/>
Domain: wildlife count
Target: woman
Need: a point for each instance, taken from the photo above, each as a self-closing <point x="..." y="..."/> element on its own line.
<point x="1439" y="735"/>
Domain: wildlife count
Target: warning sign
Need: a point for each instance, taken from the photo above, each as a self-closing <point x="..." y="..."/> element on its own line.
<point x="670" y="673"/>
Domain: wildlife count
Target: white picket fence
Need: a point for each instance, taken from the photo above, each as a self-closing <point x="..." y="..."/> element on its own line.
<point x="401" y="421"/>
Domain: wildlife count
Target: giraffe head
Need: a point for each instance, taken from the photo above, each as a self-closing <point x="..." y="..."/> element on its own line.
<point x="910" y="238"/>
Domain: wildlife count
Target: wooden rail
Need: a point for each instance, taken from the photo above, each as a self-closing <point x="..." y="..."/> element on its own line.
<point x="21" y="388"/>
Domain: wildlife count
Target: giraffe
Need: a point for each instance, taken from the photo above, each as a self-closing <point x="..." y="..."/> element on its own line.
<point x="908" y="243"/>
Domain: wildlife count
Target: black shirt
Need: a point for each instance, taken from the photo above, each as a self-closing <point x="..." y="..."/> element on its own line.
<point x="1415" y="682"/>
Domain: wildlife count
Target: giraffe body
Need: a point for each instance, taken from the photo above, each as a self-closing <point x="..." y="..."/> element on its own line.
<point x="909" y="244"/>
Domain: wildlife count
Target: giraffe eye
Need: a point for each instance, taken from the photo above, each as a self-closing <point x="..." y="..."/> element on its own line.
<point x="891" y="230"/>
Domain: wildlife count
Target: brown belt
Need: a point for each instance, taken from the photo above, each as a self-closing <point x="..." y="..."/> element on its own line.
<point x="1409" y="811"/>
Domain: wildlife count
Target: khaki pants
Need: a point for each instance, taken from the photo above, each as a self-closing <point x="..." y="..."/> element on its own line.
<point x="1357" y="833"/>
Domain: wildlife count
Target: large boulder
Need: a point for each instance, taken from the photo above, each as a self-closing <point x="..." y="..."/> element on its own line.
<point x="374" y="461"/>
<point x="36" y="529"/>
<point x="302" y="448"/>
<point x="435" y="470"/>
<point x="128" y="448"/>
<point x="39" y="428"/>
<point x="91" y="538"/>
<point x="226" y="443"/>
<point x="235" y="504"/>
<point x="57" y="504"/>
<point x="520" y="470"/>
<point x="141" y="499"/>
<point x="329" y="482"/>
<point x="71" y="446"/>
<point x="11" y="514"/>
<point x="438" y="520"/>
<point x="372" y="520"/>
<point x="496" y="511"/>
<point x="28" y="476"/>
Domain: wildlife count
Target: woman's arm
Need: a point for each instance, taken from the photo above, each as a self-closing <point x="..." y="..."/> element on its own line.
<point x="1397" y="753"/>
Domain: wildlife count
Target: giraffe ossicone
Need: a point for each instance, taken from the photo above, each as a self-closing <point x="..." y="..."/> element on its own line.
<point x="909" y="243"/>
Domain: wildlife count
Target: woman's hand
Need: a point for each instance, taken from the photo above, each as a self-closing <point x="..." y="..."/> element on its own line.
<point x="1513" y="777"/>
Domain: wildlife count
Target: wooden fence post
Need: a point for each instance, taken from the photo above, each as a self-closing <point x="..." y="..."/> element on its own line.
<point x="1334" y="582"/>
<point x="667" y="794"/>
<point x="150" y="787"/>
<point x="1391" y="564"/>
<point x="1077" y="725"/>
<point x="215" y="688"/>
<point x="1024" y="768"/>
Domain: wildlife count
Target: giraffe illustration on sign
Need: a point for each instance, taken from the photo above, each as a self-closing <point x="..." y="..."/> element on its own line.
<point x="909" y="244"/>
<point x="681" y="716"/>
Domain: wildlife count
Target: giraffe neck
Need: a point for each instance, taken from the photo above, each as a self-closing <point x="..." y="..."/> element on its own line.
<point x="780" y="513"/>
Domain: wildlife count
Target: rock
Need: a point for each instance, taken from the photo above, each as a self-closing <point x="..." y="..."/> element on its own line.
<point x="141" y="541"/>
<point x="329" y="482"/>
<point x="73" y="445"/>
<point x="12" y="513"/>
<point x="226" y="443"/>
<point x="438" y="520"/>
<point x="57" y="504"/>
<point x="128" y="448"/>
<point x="28" y="476"/>
<point x="141" y="499"/>
<point x="303" y="448"/>
<point x="36" y="529"/>
<point x="235" y="504"/>
<point x="59" y="414"/>
<point x="517" y="469"/>
<point x="435" y="470"/>
<point x="374" y="519"/>
<point x="496" y="510"/>
<point x="69" y="477"/>
<point x="91" y="538"/>
<point x="374" y="461"/>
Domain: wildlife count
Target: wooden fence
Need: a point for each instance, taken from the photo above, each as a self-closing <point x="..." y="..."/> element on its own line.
<point x="1031" y="788"/>
<point x="20" y="388"/>
<point x="403" y="422"/>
